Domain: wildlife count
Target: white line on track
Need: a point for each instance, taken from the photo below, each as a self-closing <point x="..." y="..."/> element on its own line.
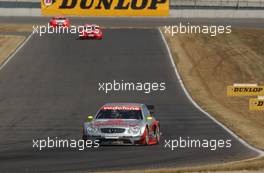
<point x="260" y="152"/>
<point x="15" y="52"/>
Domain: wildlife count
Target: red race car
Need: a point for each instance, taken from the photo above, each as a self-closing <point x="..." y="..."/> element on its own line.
<point x="91" y="31"/>
<point x="59" y="21"/>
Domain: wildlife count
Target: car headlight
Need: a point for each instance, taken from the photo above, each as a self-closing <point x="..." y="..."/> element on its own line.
<point x="91" y="129"/>
<point x="134" y="129"/>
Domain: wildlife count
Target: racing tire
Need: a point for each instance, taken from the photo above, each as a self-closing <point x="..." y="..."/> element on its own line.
<point x="146" y="137"/>
<point x="157" y="134"/>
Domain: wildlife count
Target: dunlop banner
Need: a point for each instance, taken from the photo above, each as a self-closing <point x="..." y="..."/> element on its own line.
<point x="105" y="7"/>
<point x="256" y="104"/>
<point x="245" y="90"/>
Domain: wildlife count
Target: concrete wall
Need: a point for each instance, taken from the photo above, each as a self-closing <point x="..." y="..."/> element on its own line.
<point x="181" y="13"/>
<point x="20" y="12"/>
<point x="229" y="13"/>
<point x="218" y="3"/>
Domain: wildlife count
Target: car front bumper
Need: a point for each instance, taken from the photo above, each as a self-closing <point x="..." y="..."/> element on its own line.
<point x="105" y="139"/>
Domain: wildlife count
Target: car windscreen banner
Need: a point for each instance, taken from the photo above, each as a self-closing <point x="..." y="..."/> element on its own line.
<point x="105" y="7"/>
<point x="128" y="108"/>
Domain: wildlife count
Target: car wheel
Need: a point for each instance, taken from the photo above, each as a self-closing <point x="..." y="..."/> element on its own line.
<point x="157" y="135"/>
<point x="146" y="140"/>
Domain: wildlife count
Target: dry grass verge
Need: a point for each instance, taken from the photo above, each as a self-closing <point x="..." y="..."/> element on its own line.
<point x="208" y="64"/>
<point x="8" y="45"/>
<point x="5" y="27"/>
<point x="248" y="166"/>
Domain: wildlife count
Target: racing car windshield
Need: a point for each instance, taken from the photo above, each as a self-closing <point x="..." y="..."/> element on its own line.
<point x="60" y="18"/>
<point x="119" y="114"/>
<point x="92" y="28"/>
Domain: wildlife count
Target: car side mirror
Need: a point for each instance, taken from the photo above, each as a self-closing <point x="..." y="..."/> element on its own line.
<point x="89" y="118"/>
<point x="149" y="118"/>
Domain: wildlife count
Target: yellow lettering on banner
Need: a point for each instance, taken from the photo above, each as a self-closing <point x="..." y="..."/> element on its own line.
<point x="245" y="90"/>
<point x="256" y="104"/>
<point x="105" y="7"/>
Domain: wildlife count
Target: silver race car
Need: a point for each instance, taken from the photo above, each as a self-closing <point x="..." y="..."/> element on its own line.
<point x="123" y="123"/>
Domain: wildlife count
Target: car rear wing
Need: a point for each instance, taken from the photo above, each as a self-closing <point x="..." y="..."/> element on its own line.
<point x="151" y="109"/>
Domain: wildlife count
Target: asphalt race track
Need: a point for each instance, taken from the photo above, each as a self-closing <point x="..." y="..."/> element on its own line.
<point x="51" y="85"/>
